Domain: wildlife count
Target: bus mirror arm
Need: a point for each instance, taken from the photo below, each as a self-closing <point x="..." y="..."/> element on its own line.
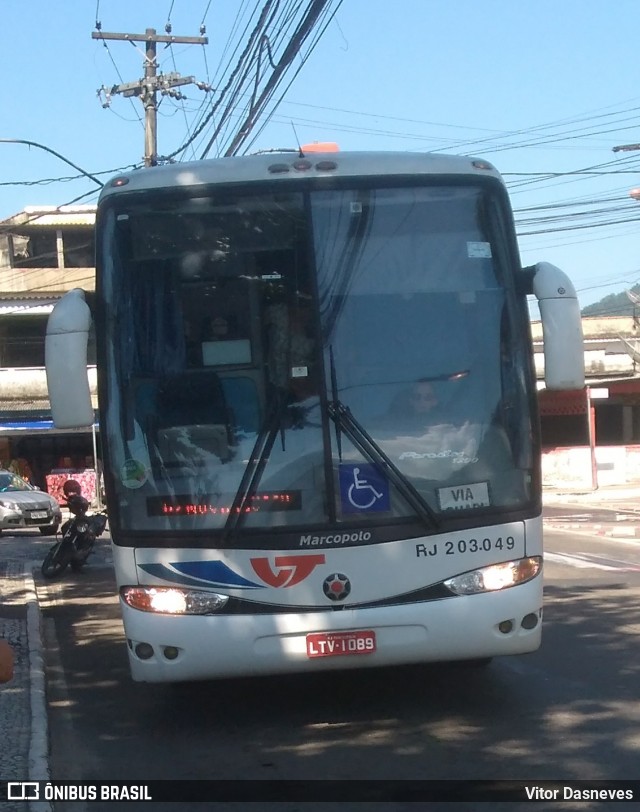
<point x="561" y="328"/>
<point x="524" y="280"/>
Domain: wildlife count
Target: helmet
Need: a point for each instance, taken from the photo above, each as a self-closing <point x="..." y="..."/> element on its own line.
<point x="71" y="487"/>
<point x="77" y="504"/>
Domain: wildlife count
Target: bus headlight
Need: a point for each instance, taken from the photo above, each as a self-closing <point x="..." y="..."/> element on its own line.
<point x="171" y="601"/>
<point x="496" y="576"/>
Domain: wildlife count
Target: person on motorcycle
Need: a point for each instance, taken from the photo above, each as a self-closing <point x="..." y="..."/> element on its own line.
<point x="76" y="502"/>
<point x="78" y="534"/>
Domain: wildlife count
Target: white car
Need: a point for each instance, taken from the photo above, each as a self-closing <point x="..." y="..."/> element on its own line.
<point x="22" y="506"/>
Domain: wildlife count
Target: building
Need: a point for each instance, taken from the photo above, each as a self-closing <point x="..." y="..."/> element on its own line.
<point x="592" y="437"/>
<point x="44" y="252"/>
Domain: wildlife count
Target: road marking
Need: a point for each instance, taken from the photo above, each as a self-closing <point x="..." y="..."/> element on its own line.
<point x="575" y="561"/>
<point x="568" y="517"/>
<point x="593" y="561"/>
<point x="618" y="563"/>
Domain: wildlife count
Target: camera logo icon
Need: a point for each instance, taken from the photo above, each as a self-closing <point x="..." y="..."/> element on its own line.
<point x="23" y="791"/>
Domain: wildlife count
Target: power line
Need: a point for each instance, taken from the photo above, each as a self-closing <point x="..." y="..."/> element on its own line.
<point x="53" y="152"/>
<point x="254" y="34"/>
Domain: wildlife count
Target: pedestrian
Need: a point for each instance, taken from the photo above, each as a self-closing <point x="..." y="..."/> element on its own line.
<point x="6" y="661"/>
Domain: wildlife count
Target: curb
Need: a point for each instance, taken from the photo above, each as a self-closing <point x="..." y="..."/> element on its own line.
<point x="630" y="532"/>
<point x="611" y="496"/>
<point x="39" y="739"/>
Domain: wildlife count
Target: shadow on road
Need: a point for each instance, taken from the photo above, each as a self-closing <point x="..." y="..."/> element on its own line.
<point x="568" y="711"/>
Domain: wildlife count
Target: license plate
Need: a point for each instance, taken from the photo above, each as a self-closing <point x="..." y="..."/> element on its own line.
<point x="39" y="514"/>
<point x="341" y="644"/>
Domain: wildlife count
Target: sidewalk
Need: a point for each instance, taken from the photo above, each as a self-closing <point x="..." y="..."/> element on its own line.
<point x="23" y="713"/>
<point x="24" y="734"/>
<point x="627" y="495"/>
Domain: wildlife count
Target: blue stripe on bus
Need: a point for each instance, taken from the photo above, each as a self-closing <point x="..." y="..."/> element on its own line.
<point x="200" y="573"/>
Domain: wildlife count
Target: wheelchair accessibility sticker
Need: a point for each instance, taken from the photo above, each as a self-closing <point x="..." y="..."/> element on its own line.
<point x="363" y="489"/>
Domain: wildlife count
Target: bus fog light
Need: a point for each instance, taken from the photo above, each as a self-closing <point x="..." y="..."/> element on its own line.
<point x="506" y="626"/>
<point x="170" y="652"/>
<point x="495" y="577"/>
<point x="530" y="621"/>
<point x="170" y="601"/>
<point x="144" y="651"/>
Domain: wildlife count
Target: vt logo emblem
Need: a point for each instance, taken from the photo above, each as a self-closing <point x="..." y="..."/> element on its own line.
<point x="290" y="569"/>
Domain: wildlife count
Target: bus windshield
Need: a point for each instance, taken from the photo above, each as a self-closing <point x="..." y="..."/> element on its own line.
<point x="306" y="360"/>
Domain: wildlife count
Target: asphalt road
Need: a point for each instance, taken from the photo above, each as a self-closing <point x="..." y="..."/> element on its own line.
<point x="568" y="711"/>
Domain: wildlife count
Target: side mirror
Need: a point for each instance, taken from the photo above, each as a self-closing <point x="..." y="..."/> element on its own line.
<point x="65" y="352"/>
<point x="561" y="328"/>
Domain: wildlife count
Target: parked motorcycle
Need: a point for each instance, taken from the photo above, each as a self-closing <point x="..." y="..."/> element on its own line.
<point x="78" y="536"/>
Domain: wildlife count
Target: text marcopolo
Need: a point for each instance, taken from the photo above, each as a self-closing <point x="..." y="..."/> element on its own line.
<point x="336" y="538"/>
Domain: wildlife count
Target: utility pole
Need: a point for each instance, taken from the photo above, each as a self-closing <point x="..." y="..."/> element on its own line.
<point x="147" y="88"/>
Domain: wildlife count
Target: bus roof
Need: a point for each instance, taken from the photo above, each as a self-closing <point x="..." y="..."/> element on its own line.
<point x="282" y="166"/>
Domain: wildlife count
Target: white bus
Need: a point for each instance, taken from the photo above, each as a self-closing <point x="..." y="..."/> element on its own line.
<point x="317" y="411"/>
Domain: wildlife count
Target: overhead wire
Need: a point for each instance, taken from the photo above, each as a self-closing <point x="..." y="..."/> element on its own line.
<point x="241" y="77"/>
<point x="314" y="13"/>
<point x="138" y="117"/>
<point x="222" y="93"/>
<point x="269" y="117"/>
<point x="258" y="109"/>
<point x="217" y="79"/>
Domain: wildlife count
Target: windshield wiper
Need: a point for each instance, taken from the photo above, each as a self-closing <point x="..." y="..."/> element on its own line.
<point x="258" y="459"/>
<point x="344" y="421"/>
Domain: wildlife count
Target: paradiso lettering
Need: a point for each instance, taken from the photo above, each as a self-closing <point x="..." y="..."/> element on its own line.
<point x="336" y="538"/>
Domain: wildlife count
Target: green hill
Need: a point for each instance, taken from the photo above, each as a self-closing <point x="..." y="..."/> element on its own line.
<point x="616" y="304"/>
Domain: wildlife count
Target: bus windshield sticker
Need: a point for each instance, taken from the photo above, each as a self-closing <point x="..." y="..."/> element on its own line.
<point x="133" y="474"/>
<point x="479" y="250"/>
<point x="464" y="497"/>
<point x="363" y="489"/>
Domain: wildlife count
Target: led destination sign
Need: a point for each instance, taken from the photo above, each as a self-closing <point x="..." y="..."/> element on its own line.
<point x="260" y="502"/>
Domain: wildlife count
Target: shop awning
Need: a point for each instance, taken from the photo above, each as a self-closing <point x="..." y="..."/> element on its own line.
<point x="20" y="428"/>
<point x="15" y="420"/>
<point x="572" y="402"/>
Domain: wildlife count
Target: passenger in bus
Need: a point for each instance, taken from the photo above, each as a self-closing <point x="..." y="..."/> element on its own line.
<point x="418" y="404"/>
<point x="302" y="384"/>
<point x="423" y="398"/>
<point x="216" y="329"/>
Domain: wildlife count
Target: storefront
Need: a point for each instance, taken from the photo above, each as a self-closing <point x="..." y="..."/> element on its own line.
<point x="591" y="437"/>
<point x="32" y="447"/>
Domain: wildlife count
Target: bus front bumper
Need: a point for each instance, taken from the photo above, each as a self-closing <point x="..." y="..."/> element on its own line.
<point x="168" y="648"/>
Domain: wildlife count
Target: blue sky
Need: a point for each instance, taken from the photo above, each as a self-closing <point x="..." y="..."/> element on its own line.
<point x="543" y="88"/>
